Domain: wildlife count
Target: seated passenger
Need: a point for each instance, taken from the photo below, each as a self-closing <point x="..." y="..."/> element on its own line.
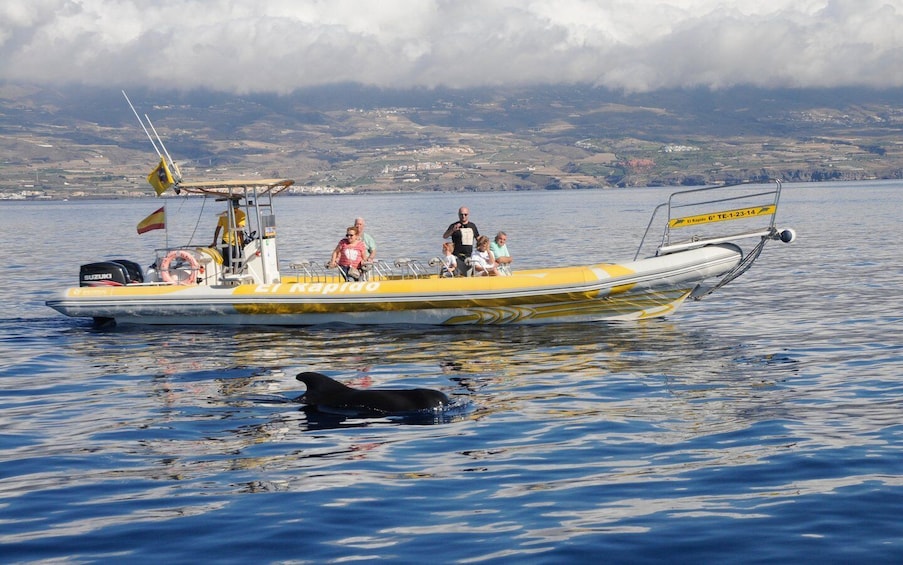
<point x="348" y="255"/>
<point x="450" y="262"/>
<point x="499" y="249"/>
<point x="481" y="260"/>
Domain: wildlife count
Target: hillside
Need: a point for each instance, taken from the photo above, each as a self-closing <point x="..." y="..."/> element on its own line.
<point x="85" y="142"/>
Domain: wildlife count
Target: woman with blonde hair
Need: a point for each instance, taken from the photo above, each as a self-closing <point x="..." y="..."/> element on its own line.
<point x="481" y="260"/>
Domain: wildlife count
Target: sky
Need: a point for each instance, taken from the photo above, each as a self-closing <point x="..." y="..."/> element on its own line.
<point x="279" y="46"/>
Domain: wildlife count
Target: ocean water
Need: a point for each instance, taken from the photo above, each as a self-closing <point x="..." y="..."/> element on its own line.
<point x="763" y="424"/>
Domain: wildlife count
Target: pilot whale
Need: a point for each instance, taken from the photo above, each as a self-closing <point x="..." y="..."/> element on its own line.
<point x="331" y="395"/>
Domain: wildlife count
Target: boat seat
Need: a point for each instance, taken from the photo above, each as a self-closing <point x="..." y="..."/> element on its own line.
<point x="470" y="267"/>
<point x="307" y="269"/>
<point x="379" y="269"/>
<point x="412" y="268"/>
<point x="439" y="264"/>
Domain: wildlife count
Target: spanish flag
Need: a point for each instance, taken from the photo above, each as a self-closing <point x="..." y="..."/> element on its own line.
<point x="156" y="221"/>
<point x="160" y="178"/>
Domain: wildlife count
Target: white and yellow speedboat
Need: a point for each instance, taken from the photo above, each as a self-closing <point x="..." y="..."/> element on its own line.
<point x="191" y="285"/>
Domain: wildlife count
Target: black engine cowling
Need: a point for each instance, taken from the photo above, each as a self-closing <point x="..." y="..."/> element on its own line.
<point x="110" y="273"/>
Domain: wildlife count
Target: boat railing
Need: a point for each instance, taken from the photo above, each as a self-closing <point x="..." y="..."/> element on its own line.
<point x="309" y="270"/>
<point x="438" y="264"/>
<point x="402" y="268"/>
<point x="376" y="270"/>
<point x="696" y="217"/>
<point x="411" y="268"/>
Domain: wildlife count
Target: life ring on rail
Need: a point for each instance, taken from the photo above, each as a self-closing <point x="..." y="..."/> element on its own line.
<point x="175" y="275"/>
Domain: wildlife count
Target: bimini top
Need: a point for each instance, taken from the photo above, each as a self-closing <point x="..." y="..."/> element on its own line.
<point x="225" y="187"/>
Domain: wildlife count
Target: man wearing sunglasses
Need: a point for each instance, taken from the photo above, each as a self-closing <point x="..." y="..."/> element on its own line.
<point x="463" y="233"/>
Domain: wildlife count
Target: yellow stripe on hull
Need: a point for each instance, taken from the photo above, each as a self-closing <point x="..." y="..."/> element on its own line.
<point x="638" y="307"/>
<point x="642" y="289"/>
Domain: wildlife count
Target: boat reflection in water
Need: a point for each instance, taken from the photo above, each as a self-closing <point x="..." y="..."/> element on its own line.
<point x="486" y="371"/>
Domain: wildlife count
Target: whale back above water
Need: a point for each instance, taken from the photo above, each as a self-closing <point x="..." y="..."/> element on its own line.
<point x="328" y="393"/>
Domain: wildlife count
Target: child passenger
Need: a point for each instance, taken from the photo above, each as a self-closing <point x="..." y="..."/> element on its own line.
<point x="450" y="262"/>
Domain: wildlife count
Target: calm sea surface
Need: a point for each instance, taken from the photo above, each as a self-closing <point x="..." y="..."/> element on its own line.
<point x="762" y="424"/>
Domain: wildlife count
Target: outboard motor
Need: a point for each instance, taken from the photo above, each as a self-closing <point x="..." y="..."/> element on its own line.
<point x="110" y="273"/>
<point x="133" y="269"/>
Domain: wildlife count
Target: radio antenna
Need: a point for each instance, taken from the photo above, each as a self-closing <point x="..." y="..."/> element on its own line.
<point x="172" y="163"/>
<point x="142" y="125"/>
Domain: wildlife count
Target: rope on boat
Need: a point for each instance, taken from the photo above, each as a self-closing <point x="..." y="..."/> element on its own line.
<point x="743" y="266"/>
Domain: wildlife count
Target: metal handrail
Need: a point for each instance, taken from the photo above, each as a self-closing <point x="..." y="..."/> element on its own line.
<point x="666" y="245"/>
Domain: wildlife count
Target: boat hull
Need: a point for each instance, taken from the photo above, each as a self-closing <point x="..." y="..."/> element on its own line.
<point x="646" y="288"/>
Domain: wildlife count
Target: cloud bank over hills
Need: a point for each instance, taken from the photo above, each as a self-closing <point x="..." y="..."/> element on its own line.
<point x="279" y="46"/>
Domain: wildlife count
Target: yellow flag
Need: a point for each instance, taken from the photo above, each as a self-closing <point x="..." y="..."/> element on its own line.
<point x="156" y="221"/>
<point x="160" y="178"/>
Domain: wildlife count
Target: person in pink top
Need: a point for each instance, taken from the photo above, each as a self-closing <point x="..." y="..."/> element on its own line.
<point x="348" y="255"/>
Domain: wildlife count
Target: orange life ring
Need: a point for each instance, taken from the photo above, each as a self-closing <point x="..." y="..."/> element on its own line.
<point x="185" y="256"/>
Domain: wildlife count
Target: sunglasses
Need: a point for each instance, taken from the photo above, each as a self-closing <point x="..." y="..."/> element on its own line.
<point x="350" y="234"/>
<point x="462" y="215"/>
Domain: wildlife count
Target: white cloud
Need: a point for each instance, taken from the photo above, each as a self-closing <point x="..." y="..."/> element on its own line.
<point x="281" y="45"/>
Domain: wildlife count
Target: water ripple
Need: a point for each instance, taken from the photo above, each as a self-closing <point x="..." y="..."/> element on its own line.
<point x="759" y="425"/>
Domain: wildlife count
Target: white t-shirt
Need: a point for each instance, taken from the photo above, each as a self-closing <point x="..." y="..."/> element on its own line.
<point x="480" y="258"/>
